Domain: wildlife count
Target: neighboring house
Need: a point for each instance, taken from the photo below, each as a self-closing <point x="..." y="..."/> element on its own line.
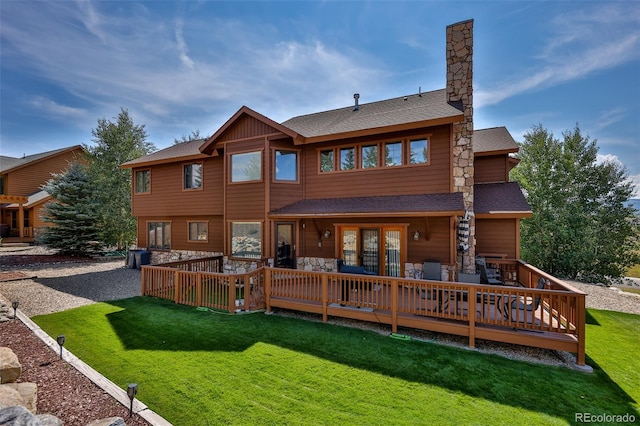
<point x="21" y="196"/>
<point x="383" y="185"/>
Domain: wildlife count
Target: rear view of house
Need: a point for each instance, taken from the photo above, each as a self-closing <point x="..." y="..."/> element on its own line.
<point x="381" y="185"/>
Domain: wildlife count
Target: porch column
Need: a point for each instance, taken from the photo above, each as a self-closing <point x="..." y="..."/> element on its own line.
<point x="21" y="220"/>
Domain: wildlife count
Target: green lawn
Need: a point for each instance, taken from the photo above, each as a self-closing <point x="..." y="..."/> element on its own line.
<point x="202" y="368"/>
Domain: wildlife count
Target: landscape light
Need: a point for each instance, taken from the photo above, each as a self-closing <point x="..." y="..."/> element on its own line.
<point x="14" y="305"/>
<point x="132" y="390"/>
<point x="60" y="339"/>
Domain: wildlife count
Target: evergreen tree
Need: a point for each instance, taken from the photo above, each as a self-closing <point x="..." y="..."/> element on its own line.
<point x="72" y="212"/>
<point x="116" y="143"/>
<point x="195" y="134"/>
<point x="581" y="226"/>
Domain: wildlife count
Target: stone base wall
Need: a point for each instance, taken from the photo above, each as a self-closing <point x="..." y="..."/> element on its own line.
<point x="414" y="271"/>
<point x="158" y="257"/>
<point x="317" y="264"/>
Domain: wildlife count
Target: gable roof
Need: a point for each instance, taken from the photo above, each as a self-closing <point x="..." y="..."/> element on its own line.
<point x="9" y="164"/>
<point x="401" y="113"/>
<point x="505" y="198"/>
<point x="33" y="199"/>
<point x="209" y="145"/>
<point x="493" y="140"/>
<point x="379" y="206"/>
<point x="182" y="151"/>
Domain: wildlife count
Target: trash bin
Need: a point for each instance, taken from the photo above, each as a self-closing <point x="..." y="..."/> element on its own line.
<point x="132" y="259"/>
<point x="143" y="257"/>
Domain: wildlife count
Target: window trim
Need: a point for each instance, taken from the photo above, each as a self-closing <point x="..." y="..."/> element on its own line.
<point x="230" y="166"/>
<point x="135" y="182"/>
<point x="184" y="180"/>
<point x="273" y="156"/>
<point x="405" y="154"/>
<point x="162" y="248"/>
<point x="206" y="223"/>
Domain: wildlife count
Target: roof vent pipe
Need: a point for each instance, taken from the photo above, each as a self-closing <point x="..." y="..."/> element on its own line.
<point x="356" y="96"/>
<point x="420" y="91"/>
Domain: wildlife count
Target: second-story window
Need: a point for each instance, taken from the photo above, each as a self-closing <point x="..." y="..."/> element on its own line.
<point x="246" y="167"/>
<point x="347" y="158"/>
<point x="143" y="181"/>
<point x="286" y="165"/>
<point x="418" y="151"/>
<point x="369" y="156"/>
<point x="326" y="161"/>
<point x="193" y="176"/>
<point x="393" y="154"/>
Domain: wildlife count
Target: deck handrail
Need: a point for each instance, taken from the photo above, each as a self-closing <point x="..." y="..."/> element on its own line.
<point x="557" y="322"/>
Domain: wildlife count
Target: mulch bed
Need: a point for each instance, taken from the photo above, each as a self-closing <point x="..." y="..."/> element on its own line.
<point x="17" y="260"/>
<point x="14" y="276"/>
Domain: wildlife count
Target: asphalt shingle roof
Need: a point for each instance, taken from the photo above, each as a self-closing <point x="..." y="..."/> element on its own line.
<point x="177" y="151"/>
<point x="422" y="203"/>
<point x="406" y="109"/>
<point x="499" y="197"/>
<point x="9" y="163"/>
<point x="494" y="139"/>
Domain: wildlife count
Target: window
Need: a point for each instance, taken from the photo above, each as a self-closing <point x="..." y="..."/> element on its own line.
<point x="193" y="176"/>
<point x="143" y="181"/>
<point x="393" y="154"/>
<point x="347" y="158"/>
<point x="418" y="151"/>
<point x="159" y="235"/>
<point x="198" y="231"/>
<point x="246" y="167"/>
<point x="326" y="161"/>
<point x="286" y="165"/>
<point x="369" y="156"/>
<point x="1" y="185"/>
<point x="246" y="240"/>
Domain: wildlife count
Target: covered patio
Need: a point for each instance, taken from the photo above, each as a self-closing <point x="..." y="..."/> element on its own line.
<point x="520" y="311"/>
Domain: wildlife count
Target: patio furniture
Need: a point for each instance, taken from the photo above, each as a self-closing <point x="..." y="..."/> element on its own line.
<point x="488" y="275"/>
<point x="348" y="284"/>
<point x="432" y="271"/>
<point x="521" y="304"/>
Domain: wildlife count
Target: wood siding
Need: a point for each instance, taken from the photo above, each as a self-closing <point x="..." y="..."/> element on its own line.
<point x="498" y="236"/>
<point x="180" y="232"/>
<point x="246" y="127"/>
<point x="491" y="168"/>
<point x="432" y="178"/>
<point x="29" y="179"/>
<point x="168" y="198"/>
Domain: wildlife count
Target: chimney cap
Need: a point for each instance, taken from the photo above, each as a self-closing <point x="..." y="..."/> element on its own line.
<point x="356" y="96"/>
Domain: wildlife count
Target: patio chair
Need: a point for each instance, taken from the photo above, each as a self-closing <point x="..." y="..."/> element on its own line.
<point x="517" y="303"/>
<point x="431" y="271"/>
<point x="488" y="275"/>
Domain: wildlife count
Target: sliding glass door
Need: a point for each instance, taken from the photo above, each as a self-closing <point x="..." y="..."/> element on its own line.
<point x="364" y="246"/>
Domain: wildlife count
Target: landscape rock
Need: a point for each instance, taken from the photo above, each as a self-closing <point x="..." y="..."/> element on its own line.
<point x="10" y="367"/>
<point x="20" y="416"/>
<point x="28" y="392"/>
<point x="9" y="397"/>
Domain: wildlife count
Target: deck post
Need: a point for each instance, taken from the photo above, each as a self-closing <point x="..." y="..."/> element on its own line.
<point x="471" y="312"/>
<point x="582" y="318"/>
<point x="394" y="306"/>
<point x="325" y="296"/>
<point x="143" y="288"/>
<point x="231" y="303"/>
<point x="267" y="289"/>
<point x="247" y="291"/>
<point x="176" y="283"/>
<point x="198" y="289"/>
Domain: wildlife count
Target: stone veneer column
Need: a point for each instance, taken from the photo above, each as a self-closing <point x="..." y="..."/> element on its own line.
<point x="460" y="94"/>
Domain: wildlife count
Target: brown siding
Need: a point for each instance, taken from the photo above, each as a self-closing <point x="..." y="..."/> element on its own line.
<point x="29" y="179"/>
<point x="284" y="193"/>
<point x="496" y="236"/>
<point x="180" y="233"/>
<point x="245" y="201"/>
<point x="168" y="198"/>
<point x="246" y="127"/>
<point x="432" y="178"/>
<point x="491" y="169"/>
<point x="435" y="248"/>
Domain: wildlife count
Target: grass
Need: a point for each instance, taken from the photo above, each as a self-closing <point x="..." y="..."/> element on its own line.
<point x="634" y="272"/>
<point x="200" y="368"/>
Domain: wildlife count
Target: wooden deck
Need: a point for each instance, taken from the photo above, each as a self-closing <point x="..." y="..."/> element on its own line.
<point x="476" y="311"/>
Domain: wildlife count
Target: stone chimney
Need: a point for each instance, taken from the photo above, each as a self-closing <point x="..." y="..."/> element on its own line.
<point x="460" y="95"/>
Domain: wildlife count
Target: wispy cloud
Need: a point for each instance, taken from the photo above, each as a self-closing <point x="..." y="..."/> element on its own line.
<point x="54" y="109"/>
<point x="607" y="118"/>
<point x="578" y="45"/>
<point x="182" y="46"/>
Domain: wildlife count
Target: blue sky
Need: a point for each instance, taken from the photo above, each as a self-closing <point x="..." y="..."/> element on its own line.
<point x="182" y="66"/>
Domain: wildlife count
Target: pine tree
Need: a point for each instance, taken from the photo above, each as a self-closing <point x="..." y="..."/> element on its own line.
<point x="72" y="212"/>
<point x="115" y="144"/>
<point x="581" y="226"/>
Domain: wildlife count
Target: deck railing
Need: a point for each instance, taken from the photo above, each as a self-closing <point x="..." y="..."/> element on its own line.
<point x="552" y="317"/>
